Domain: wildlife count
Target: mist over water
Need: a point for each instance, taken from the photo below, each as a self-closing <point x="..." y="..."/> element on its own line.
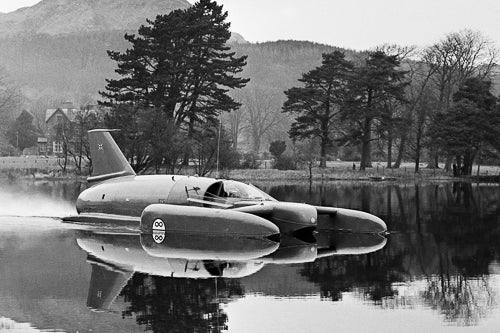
<point x="32" y="198"/>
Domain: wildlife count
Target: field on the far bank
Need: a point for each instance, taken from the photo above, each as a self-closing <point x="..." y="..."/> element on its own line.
<point x="343" y="170"/>
<point x="50" y="163"/>
<point x="34" y="166"/>
<point x="47" y="167"/>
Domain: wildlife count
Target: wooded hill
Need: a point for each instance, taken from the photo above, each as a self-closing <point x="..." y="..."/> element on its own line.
<point x="67" y="60"/>
<point x="71" y="66"/>
<point x="75" y="67"/>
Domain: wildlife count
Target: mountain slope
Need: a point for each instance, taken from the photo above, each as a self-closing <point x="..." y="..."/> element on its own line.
<point x="62" y="17"/>
<point x="58" y="47"/>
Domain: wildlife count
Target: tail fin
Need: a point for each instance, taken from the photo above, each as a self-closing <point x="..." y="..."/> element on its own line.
<point x="107" y="158"/>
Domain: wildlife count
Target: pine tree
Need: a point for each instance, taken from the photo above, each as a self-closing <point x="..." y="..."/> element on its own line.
<point x="317" y="104"/>
<point x="22" y="134"/>
<point x="179" y="65"/>
<point x="471" y="124"/>
<point x="375" y="83"/>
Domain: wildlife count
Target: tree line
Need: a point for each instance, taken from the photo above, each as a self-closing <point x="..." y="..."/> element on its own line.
<point x="439" y="100"/>
<point x="175" y="81"/>
<point x="178" y="99"/>
<point x="173" y="88"/>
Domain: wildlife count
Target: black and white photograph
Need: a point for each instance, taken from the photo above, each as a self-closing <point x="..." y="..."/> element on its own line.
<point x="249" y="166"/>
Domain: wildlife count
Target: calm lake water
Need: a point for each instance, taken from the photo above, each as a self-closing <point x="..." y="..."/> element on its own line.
<point x="437" y="271"/>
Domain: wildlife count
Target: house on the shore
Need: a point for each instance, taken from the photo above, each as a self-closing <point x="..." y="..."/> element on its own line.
<point x="57" y="122"/>
<point x="61" y="126"/>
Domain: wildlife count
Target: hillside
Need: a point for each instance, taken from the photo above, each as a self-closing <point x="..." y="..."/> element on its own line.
<point x="57" y="51"/>
<point x="278" y="65"/>
<point x="57" y="48"/>
<point x="63" y="17"/>
<point x="77" y="64"/>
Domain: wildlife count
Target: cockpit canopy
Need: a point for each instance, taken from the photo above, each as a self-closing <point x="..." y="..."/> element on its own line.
<point x="229" y="192"/>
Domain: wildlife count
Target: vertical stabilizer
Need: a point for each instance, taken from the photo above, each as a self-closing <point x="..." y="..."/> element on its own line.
<point x="108" y="160"/>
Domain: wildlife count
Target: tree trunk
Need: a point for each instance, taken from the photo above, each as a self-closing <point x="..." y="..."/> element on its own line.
<point x="417" y="162"/>
<point x="65" y="153"/>
<point x="389" y="150"/>
<point x="433" y="159"/>
<point x="187" y="154"/>
<point x="459" y="166"/>
<point x="322" y="162"/>
<point x="401" y="151"/>
<point x="366" y="145"/>
<point x="478" y="162"/>
<point x="256" y="144"/>
<point x="235" y="144"/>
<point x="418" y="148"/>
<point x="468" y="161"/>
<point x="80" y="151"/>
<point x="447" y="165"/>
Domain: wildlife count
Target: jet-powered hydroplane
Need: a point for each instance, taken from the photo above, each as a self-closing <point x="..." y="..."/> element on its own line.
<point x="191" y="204"/>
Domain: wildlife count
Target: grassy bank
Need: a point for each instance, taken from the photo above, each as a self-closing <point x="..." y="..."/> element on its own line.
<point x="37" y="167"/>
<point x="345" y="171"/>
<point x="49" y="168"/>
<point x="330" y="174"/>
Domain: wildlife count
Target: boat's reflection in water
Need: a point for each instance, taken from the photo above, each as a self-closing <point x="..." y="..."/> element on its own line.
<point x="116" y="256"/>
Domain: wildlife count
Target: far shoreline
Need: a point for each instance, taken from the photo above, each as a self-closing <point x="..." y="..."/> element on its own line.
<point x="273" y="175"/>
<point x="50" y="168"/>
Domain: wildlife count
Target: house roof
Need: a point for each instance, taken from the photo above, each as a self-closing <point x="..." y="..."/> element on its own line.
<point x="69" y="113"/>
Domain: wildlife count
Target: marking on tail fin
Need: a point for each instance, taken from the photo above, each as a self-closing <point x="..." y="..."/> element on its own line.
<point x="108" y="160"/>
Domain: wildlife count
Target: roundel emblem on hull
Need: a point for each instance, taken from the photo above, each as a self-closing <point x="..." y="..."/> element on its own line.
<point x="158" y="231"/>
<point x="158" y="225"/>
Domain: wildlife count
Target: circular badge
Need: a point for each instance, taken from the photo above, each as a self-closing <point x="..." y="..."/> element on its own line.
<point x="158" y="225"/>
<point x="158" y="231"/>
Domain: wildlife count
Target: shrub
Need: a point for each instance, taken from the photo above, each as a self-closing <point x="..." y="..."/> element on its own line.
<point x="249" y="161"/>
<point x="277" y="148"/>
<point x="285" y="162"/>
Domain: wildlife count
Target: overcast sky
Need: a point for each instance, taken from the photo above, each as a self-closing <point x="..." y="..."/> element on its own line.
<point x="355" y="24"/>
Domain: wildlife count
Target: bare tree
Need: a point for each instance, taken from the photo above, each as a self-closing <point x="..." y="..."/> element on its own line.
<point x="419" y="122"/>
<point x="400" y="51"/>
<point x="396" y="117"/>
<point x="86" y="118"/>
<point x="452" y="61"/>
<point x="420" y="98"/>
<point x="10" y="100"/>
<point x="263" y="110"/>
<point x="237" y="120"/>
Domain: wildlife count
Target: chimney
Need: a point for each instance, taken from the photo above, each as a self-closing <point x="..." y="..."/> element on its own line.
<point x="67" y="105"/>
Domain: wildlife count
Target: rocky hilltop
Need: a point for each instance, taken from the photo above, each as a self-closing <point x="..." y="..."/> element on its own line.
<point x="56" y="49"/>
<point x="62" y="17"/>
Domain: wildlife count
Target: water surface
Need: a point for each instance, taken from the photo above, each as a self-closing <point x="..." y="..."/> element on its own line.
<point x="438" y="270"/>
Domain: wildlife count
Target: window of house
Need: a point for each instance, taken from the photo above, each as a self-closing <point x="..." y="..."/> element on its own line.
<point x="57" y="147"/>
